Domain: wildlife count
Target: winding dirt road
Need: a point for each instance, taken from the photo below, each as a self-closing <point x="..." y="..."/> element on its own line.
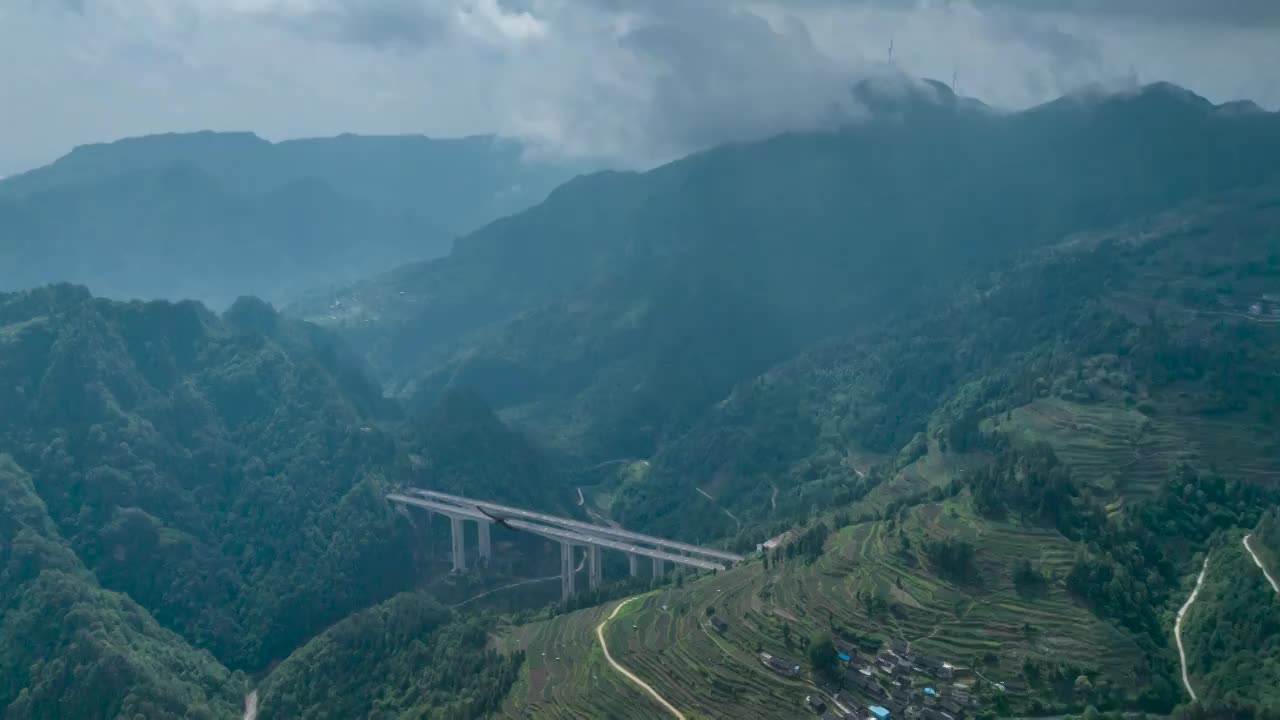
<point x="1177" y="628"/>
<point x="1258" y="561"/>
<point x="627" y="673"/>
<point x="251" y="706"/>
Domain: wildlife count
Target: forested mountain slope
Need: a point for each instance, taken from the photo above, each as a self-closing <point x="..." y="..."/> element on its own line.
<point x="69" y="648"/>
<point x="1023" y="481"/>
<point x="614" y="314"/>
<point x="227" y="473"/>
<point x="1130" y="351"/>
<point x="216" y="215"/>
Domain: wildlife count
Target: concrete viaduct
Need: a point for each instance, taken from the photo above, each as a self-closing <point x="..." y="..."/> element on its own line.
<point x="569" y="533"/>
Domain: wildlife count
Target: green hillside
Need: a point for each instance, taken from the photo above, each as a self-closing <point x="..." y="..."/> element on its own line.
<point x="1232" y="633"/>
<point x="407" y="657"/>
<point x="227" y="473"/>
<point x="74" y="649"/>
<point x="612" y="317"/>
<point x="1085" y="422"/>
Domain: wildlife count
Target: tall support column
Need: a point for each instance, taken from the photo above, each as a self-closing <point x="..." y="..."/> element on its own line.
<point x="635" y="564"/>
<point x="459" y="544"/>
<point x="593" y="564"/>
<point x="659" y="568"/>
<point x="482" y="529"/>
<point x="566" y="570"/>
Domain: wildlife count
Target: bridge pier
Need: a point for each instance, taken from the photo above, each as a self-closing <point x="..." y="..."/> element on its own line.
<point x="566" y="571"/>
<point x="659" y="568"/>
<point x="482" y="529"/>
<point x="459" y="543"/>
<point x="594" y="567"/>
<point x="635" y="564"/>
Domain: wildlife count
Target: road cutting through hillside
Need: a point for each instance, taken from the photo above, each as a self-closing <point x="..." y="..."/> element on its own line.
<point x="1177" y="628"/>
<point x="1258" y="561"/>
<point x="627" y="673"/>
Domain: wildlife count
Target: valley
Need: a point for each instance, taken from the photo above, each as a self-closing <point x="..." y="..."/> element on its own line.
<point x="958" y="412"/>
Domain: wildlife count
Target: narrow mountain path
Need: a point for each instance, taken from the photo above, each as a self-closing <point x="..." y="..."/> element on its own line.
<point x="251" y="706"/>
<point x="732" y="517"/>
<point x="1258" y="561"/>
<point x="627" y="673"/>
<point x="1177" y="628"/>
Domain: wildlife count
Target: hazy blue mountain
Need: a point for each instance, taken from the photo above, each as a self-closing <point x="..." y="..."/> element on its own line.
<point x="611" y="315"/>
<point x="218" y="215"/>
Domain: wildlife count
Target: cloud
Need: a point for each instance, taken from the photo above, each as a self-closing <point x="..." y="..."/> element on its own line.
<point x="1229" y="12"/>
<point x="632" y="81"/>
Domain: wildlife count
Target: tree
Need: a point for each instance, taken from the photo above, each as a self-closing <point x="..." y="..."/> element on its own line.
<point x="822" y="654"/>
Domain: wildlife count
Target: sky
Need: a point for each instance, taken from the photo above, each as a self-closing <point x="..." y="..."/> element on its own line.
<point x="632" y="82"/>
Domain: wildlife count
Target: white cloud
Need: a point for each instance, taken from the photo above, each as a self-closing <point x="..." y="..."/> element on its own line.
<point x="631" y="80"/>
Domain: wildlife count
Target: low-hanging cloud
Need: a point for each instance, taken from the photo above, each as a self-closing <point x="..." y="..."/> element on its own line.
<point x="629" y="81"/>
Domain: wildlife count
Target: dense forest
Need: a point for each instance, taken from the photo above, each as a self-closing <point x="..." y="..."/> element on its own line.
<point x="1233" y="632"/>
<point x="70" y="648"/>
<point x="407" y="657"/>
<point x="208" y="492"/>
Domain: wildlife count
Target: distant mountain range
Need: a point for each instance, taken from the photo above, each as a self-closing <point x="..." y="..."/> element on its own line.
<point x="217" y="215"/>
<point x="615" y="313"/>
<point x="995" y="384"/>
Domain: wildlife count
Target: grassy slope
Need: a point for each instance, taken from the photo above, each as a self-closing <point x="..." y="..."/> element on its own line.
<point x="719" y="675"/>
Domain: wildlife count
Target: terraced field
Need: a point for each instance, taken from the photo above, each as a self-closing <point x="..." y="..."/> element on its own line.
<point x="1120" y="451"/>
<point x="565" y="674"/>
<point x="665" y="637"/>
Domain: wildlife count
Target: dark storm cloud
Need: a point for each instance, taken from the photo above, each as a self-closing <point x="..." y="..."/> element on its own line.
<point x="633" y="81"/>
<point x="1243" y="12"/>
<point x="723" y="75"/>
<point x="1234" y="12"/>
<point x="375" y="23"/>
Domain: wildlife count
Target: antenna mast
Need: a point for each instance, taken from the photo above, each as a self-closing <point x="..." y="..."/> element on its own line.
<point x="890" y="51"/>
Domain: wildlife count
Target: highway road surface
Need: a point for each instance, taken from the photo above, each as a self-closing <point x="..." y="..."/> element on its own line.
<point x="598" y="530"/>
<point x="591" y="535"/>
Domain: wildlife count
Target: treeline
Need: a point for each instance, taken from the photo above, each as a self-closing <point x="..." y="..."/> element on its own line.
<point x="407" y="657"/>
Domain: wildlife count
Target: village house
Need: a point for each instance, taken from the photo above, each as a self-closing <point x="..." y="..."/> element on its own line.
<point x="719" y="624"/>
<point x="780" y="665"/>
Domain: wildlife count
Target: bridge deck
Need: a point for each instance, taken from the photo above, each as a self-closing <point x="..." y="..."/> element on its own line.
<point x="576" y="525"/>
<point x="558" y="534"/>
